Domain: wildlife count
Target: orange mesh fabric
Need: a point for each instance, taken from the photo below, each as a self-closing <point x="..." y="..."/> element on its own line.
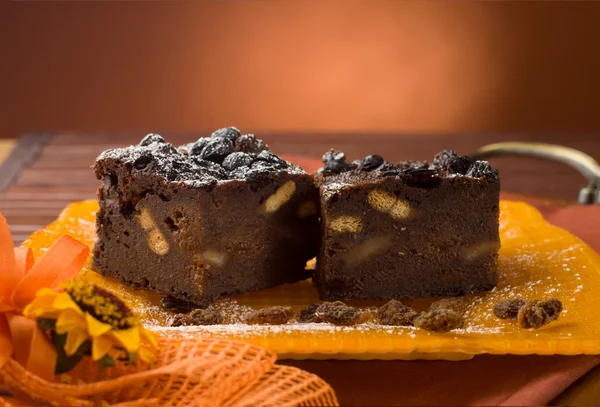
<point x="194" y="372"/>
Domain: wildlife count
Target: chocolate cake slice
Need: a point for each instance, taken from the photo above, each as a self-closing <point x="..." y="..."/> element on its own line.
<point x="407" y="230"/>
<point x="219" y="216"/>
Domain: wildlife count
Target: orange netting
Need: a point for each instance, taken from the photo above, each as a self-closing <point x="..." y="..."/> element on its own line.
<point x="194" y="372"/>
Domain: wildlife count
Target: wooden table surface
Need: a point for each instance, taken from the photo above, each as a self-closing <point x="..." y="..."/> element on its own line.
<point x="41" y="173"/>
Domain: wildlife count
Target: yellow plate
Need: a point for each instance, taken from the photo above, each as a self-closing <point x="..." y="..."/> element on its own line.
<point x="537" y="260"/>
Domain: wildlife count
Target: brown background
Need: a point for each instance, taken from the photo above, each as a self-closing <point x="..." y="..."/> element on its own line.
<point x="403" y="66"/>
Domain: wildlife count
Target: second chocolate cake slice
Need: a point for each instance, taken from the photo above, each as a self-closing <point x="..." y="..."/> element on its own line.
<point x="408" y="230"/>
<point x="218" y="216"/>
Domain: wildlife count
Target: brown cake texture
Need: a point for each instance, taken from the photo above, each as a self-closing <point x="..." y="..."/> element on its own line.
<point x="219" y="216"/>
<point x="407" y="230"/>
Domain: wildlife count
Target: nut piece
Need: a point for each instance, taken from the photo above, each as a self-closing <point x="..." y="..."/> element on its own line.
<point x="472" y="253"/>
<point x="381" y="200"/>
<point x="209" y="316"/>
<point x="214" y="257"/>
<point x="280" y="197"/>
<point x="400" y="209"/>
<point x="439" y="320"/>
<point x="509" y="309"/>
<point x="145" y="219"/>
<point x="341" y="224"/>
<point x="396" y="314"/>
<point x="338" y="313"/>
<point x="367" y="250"/>
<point x="389" y="203"/>
<point x="537" y="313"/>
<point x="306" y="209"/>
<point x="179" y="320"/>
<point x="277" y="315"/>
<point x="156" y="241"/>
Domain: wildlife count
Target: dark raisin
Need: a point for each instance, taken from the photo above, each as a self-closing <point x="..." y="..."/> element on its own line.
<point x="209" y="316"/>
<point x="265" y="167"/>
<point x="333" y="155"/>
<point x="537" y="313"/>
<point x="371" y="162"/>
<point x="236" y="160"/>
<point x="397" y="314"/>
<point x="217" y="149"/>
<point x="335" y="167"/>
<point x="439" y="320"/>
<point x="443" y="158"/>
<point x="508" y="309"/>
<point x="143" y="161"/>
<point x="152" y="138"/>
<point x="249" y="144"/>
<point x="164" y="148"/>
<point x="420" y="178"/>
<point x="239" y="173"/>
<point x="460" y="165"/>
<point x="338" y="313"/>
<point x="269" y="157"/>
<point x="531" y="315"/>
<point x="179" y="320"/>
<point x="457" y="304"/>
<point x="389" y="169"/>
<point x="553" y="307"/>
<point x="482" y="169"/>
<point x="230" y="133"/>
<point x="208" y="168"/>
<point x="308" y="314"/>
<point x="276" y="315"/>
<point x="176" y="305"/>
<point x="198" y="146"/>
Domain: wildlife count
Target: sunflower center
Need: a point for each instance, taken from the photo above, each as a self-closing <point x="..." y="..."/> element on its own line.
<point x="100" y="304"/>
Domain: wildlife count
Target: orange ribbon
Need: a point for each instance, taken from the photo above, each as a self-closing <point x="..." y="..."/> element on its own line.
<point x="20" y="279"/>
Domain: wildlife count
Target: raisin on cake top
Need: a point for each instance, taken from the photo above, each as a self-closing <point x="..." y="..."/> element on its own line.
<point x="225" y="155"/>
<point x="420" y="174"/>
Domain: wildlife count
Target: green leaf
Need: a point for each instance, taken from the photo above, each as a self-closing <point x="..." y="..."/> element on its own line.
<point x="85" y="349"/>
<point x="106" y="361"/>
<point x="59" y="340"/>
<point x="66" y="363"/>
<point x="131" y="357"/>
<point x="46" y="324"/>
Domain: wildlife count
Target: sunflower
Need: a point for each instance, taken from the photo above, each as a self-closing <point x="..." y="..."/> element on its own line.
<point x="86" y="313"/>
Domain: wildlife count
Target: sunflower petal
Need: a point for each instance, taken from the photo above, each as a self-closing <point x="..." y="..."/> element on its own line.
<point x="75" y="338"/>
<point x="69" y="320"/>
<point x="96" y="328"/>
<point x="101" y="346"/>
<point x="129" y="338"/>
<point x="61" y="262"/>
<point x="64" y="301"/>
<point x="42" y="305"/>
<point x="9" y="278"/>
